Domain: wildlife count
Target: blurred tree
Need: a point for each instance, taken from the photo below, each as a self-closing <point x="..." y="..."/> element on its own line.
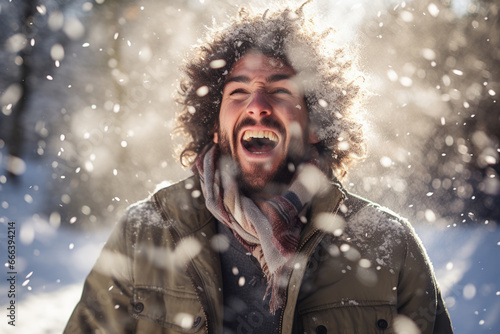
<point x="34" y="38"/>
<point x="437" y="73"/>
<point x="18" y="44"/>
<point x="472" y="84"/>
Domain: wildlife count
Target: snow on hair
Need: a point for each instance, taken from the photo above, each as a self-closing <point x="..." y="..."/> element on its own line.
<point x="333" y="86"/>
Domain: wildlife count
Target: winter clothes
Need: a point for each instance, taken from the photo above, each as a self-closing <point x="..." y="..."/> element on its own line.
<point x="245" y="308"/>
<point x="362" y="270"/>
<point x="269" y="229"/>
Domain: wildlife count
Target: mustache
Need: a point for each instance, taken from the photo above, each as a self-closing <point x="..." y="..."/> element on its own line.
<point x="266" y="121"/>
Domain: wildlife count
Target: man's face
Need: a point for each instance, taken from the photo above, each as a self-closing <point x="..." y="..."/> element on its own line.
<point x="263" y="119"/>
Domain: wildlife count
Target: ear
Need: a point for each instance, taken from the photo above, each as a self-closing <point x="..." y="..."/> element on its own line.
<point x="313" y="137"/>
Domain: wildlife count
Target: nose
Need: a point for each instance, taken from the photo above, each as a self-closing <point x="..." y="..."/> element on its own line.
<point x="259" y="106"/>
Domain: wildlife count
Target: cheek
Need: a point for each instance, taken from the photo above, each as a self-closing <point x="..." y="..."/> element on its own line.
<point x="224" y="131"/>
<point x="302" y="115"/>
<point x="226" y="111"/>
<point x="228" y="118"/>
<point x="297" y="119"/>
<point x="293" y="110"/>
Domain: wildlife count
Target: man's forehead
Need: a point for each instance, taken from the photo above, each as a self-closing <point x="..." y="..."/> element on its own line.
<point x="257" y="63"/>
<point x="256" y="60"/>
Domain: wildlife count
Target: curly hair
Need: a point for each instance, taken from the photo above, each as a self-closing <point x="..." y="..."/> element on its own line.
<point x="332" y="84"/>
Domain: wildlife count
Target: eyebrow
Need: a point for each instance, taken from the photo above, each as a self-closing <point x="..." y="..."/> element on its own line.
<point x="278" y="77"/>
<point x="271" y="79"/>
<point x="239" y="78"/>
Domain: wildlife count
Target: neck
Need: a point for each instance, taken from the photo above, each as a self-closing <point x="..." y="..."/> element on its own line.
<point x="270" y="190"/>
<point x="276" y="186"/>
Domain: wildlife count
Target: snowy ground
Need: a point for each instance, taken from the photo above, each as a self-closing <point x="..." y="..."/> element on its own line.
<point x="52" y="263"/>
<point x="44" y="304"/>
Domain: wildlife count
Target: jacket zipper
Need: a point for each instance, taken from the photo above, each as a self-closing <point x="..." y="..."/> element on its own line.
<point x="286" y="291"/>
<point x="302" y="245"/>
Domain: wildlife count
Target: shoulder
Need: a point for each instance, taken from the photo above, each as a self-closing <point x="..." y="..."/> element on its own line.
<point x="148" y="212"/>
<point x="377" y="230"/>
<point x="143" y="213"/>
<point x="180" y="205"/>
<point x="181" y="196"/>
<point x="362" y="215"/>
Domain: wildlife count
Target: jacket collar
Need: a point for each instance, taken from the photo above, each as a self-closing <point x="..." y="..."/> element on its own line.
<point x="328" y="202"/>
<point x="183" y="202"/>
<point x="186" y="195"/>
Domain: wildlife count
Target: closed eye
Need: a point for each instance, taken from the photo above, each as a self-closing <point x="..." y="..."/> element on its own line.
<point x="238" y="91"/>
<point x="281" y="91"/>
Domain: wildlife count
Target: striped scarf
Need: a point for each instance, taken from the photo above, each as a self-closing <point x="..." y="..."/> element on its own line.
<point x="270" y="229"/>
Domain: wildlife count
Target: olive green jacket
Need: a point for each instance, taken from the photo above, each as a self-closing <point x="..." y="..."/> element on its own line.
<point x="358" y="269"/>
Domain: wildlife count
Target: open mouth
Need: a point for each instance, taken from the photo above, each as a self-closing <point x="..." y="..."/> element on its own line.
<point x="259" y="142"/>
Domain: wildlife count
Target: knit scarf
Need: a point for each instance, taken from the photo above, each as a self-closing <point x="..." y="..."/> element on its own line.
<point x="268" y="229"/>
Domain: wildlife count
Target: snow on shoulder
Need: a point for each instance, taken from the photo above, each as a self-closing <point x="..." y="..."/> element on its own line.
<point x="144" y="213"/>
<point x="377" y="232"/>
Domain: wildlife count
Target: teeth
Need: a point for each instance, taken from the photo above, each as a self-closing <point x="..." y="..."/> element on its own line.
<point x="260" y="134"/>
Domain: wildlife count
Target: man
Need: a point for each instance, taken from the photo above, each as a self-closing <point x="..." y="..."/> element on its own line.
<point x="262" y="238"/>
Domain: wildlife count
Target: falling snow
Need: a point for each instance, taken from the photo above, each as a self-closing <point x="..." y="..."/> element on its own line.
<point x="98" y="118"/>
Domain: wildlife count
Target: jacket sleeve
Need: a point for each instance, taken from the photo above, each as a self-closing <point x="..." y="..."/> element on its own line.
<point x="419" y="297"/>
<point x="105" y="301"/>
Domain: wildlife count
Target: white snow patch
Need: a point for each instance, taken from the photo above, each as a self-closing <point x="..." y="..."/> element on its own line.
<point x="382" y="233"/>
<point x="51" y="311"/>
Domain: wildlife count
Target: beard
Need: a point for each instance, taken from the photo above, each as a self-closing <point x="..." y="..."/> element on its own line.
<point x="259" y="180"/>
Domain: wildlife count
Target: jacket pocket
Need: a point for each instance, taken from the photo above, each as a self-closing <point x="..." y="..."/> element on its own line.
<point x="179" y="311"/>
<point x="351" y="317"/>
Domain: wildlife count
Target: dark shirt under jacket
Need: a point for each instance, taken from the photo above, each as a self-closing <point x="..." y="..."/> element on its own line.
<point x="244" y="284"/>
